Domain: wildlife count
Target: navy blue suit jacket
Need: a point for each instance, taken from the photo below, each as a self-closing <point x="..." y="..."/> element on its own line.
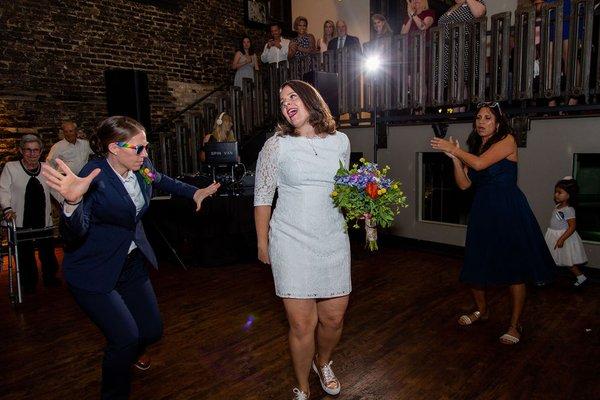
<point x="99" y="232"/>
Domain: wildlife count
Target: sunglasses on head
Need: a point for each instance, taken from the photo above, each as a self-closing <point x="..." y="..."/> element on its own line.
<point x="490" y="104"/>
<point x="138" y="148"/>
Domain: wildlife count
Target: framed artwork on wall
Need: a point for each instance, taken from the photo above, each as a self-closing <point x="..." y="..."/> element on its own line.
<point x="260" y="13"/>
<point x="256" y="13"/>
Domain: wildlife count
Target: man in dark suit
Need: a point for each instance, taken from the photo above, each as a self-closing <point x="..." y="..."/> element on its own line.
<point x="343" y="40"/>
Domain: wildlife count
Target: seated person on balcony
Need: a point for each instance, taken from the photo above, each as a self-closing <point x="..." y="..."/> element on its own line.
<point x="304" y="44"/>
<point x="277" y="48"/>
<point x="222" y="132"/>
<point x="244" y="62"/>
<point x="73" y="151"/>
<point x="420" y="17"/>
<point x="343" y="40"/>
<point x="25" y="199"/>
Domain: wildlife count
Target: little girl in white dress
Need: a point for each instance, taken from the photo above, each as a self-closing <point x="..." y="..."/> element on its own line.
<point x="562" y="239"/>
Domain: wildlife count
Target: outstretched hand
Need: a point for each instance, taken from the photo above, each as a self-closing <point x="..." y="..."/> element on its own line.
<point x="201" y="194"/>
<point x="67" y="184"/>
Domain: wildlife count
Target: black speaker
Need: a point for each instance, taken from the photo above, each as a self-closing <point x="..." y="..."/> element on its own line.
<point x="326" y="84"/>
<point x="127" y="94"/>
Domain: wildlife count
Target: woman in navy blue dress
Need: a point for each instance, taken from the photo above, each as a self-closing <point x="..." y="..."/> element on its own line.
<point x="504" y="244"/>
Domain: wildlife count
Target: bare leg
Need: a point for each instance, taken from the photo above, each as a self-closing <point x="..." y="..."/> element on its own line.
<point x="576" y="271"/>
<point x="479" y="297"/>
<point x="329" y="329"/>
<point x="517" y="296"/>
<point x="302" y="317"/>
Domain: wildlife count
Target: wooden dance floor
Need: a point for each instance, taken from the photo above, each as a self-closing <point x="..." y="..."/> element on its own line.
<point x="225" y="338"/>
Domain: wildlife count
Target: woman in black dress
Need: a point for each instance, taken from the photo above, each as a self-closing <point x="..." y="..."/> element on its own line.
<point x="504" y="244"/>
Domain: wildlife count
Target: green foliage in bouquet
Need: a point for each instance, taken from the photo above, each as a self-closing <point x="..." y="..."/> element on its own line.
<point x="365" y="192"/>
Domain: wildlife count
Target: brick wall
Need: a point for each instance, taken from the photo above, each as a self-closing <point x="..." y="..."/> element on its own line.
<point x="53" y="55"/>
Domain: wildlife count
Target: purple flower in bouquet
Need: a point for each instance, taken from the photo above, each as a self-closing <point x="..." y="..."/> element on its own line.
<point x="365" y="193"/>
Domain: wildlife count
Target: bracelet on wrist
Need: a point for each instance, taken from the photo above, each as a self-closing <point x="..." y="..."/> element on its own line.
<point x="73" y="204"/>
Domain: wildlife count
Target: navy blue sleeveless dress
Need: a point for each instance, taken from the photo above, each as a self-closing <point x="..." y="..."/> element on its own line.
<point x="504" y="242"/>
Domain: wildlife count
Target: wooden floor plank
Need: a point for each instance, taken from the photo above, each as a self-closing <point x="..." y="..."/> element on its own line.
<point x="401" y="340"/>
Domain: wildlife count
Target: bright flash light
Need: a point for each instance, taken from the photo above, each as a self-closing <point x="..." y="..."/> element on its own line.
<point x="372" y="63"/>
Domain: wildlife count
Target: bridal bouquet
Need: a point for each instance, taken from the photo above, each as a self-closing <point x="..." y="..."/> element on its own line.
<point x="364" y="192"/>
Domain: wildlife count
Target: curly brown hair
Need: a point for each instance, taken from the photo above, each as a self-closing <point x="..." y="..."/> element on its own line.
<point x="319" y="115"/>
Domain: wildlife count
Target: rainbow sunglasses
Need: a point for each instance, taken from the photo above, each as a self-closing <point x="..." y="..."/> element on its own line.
<point x="138" y="148"/>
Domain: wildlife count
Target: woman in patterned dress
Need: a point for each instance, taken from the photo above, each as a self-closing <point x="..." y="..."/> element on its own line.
<point x="304" y="44"/>
<point x="305" y="241"/>
<point x="461" y="11"/>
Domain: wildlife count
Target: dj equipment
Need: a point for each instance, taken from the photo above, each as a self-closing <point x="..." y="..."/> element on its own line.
<point x="326" y="84"/>
<point x="220" y="118"/>
<point x="127" y="94"/>
<point x="221" y="152"/>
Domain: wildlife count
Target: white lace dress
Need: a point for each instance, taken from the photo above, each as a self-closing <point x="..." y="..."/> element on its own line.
<point x="308" y="246"/>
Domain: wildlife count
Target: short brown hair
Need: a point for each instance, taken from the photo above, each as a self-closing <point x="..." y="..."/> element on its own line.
<point x="319" y="115"/>
<point x="114" y="129"/>
<point x="297" y="22"/>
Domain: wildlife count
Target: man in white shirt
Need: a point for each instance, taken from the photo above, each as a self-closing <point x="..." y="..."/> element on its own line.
<point x="73" y="151"/>
<point x="277" y="48"/>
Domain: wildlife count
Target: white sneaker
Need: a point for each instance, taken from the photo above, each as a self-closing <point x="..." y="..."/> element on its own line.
<point x="580" y="282"/>
<point x="299" y="394"/>
<point x="326" y="377"/>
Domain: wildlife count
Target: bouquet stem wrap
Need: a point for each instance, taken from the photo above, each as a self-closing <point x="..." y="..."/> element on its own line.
<point x="371" y="231"/>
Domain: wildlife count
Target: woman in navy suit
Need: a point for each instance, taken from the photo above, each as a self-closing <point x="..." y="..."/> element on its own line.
<point x="106" y="245"/>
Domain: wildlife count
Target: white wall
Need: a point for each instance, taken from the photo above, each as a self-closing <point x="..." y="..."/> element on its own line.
<point x="547" y="158"/>
<point x="354" y="12"/>
<point x="497" y="6"/>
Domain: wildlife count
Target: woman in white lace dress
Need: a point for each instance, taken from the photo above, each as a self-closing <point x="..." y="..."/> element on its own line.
<point x="305" y="241"/>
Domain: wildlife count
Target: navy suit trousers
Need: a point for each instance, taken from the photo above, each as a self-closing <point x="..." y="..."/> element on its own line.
<point x="128" y="317"/>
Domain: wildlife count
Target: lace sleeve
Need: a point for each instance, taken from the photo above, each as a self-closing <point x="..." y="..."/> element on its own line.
<point x="266" y="173"/>
<point x="346" y="151"/>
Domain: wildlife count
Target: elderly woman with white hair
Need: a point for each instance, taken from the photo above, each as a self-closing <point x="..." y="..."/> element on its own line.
<point x="25" y="199"/>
